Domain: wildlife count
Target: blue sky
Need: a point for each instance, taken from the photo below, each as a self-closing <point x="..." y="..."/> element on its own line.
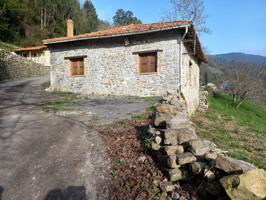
<point x="236" y="25"/>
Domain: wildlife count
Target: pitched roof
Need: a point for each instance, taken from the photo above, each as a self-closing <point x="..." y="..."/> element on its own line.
<point x="132" y="29"/>
<point x="121" y="30"/>
<point x="31" y="48"/>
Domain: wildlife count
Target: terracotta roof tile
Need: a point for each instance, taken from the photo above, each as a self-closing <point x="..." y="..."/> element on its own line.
<point x="129" y="29"/>
<point x="31" y="48"/>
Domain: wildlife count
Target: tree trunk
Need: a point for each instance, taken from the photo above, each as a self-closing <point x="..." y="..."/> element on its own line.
<point x="240" y="102"/>
<point x="243" y="98"/>
<point x="41" y="18"/>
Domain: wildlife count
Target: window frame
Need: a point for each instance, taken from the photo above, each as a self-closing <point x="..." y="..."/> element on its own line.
<point x="80" y="65"/>
<point x="147" y="55"/>
<point x="69" y="58"/>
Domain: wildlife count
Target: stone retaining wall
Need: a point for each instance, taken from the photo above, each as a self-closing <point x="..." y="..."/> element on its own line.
<point x="13" y="67"/>
<point x="184" y="157"/>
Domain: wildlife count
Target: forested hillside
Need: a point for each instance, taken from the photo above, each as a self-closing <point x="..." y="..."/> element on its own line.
<point x="241" y="57"/>
<point x="27" y="22"/>
<point x="242" y="77"/>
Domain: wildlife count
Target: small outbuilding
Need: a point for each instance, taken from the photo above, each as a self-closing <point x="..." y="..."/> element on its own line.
<point x="39" y="54"/>
<point x="137" y="60"/>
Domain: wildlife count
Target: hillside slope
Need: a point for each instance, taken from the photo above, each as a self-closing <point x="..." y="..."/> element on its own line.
<point x="240" y="131"/>
<point x="7" y="46"/>
<point x="215" y="70"/>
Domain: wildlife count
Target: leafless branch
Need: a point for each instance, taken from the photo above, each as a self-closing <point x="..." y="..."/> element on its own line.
<point x="189" y="10"/>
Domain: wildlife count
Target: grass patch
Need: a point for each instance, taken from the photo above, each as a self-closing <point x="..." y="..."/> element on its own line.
<point x="120" y="162"/>
<point x="55" y="105"/>
<point x="131" y="99"/>
<point x="242" y="132"/>
<point x="7" y="47"/>
<point x="123" y="124"/>
<point x="151" y="100"/>
<point x="139" y="117"/>
<point x="249" y="114"/>
<point x="62" y="102"/>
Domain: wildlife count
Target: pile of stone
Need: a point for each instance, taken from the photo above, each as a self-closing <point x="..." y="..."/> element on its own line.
<point x="183" y="156"/>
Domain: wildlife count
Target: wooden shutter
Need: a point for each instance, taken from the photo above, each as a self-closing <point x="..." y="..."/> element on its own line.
<point x="77" y="66"/>
<point x="74" y="67"/>
<point x="144" y="63"/>
<point x="81" y="67"/>
<point x="152" y="62"/>
<point x="148" y="62"/>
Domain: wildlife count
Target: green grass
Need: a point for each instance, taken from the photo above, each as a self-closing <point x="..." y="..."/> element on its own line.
<point x="248" y="114"/>
<point x="124" y="124"/>
<point x="7" y="47"/>
<point x="138" y="117"/>
<point x="62" y="103"/>
<point x="242" y="131"/>
<point x="120" y="162"/>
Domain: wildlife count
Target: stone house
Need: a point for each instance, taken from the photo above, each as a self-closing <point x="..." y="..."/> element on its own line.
<point x="136" y="60"/>
<point x="39" y="54"/>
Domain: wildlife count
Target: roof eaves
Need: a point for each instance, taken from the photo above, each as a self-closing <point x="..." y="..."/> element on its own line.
<point x="35" y="48"/>
<point x="116" y="35"/>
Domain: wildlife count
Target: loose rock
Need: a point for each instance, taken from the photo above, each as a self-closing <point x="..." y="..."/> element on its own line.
<point x="171" y="162"/>
<point x="167" y="186"/>
<point x="167" y="109"/>
<point x="197" y="167"/>
<point x="200" y="147"/>
<point x="211" y="156"/>
<point x="173" y="150"/>
<point x="248" y="186"/>
<point x="160" y="120"/>
<point x="174" y="174"/>
<point x="209" y="175"/>
<point x="170" y="137"/>
<point x="152" y="131"/>
<point x="233" y="166"/>
<point x="185" y="158"/>
<point x="155" y="146"/>
<point x="185" y="134"/>
<point x="180" y="120"/>
<point x="158" y="139"/>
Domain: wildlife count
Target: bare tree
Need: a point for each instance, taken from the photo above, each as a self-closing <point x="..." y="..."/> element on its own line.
<point x="193" y="10"/>
<point x="245" y="82"/>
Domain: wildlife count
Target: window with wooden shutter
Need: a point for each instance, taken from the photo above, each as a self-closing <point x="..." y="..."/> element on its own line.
<point x="148" y="62"/>
<point x="77" y="66"/>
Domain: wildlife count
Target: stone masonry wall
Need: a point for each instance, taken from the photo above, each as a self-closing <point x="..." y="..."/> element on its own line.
<point x="187" y="159"/>
<point x="13" y="67"/>
<point x="190" y="80"/>
<point x="112" y="68"/>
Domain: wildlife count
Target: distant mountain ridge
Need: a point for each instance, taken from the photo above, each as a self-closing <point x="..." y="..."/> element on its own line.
<point x="240" y="57"/>
<point x="214" y="70"/>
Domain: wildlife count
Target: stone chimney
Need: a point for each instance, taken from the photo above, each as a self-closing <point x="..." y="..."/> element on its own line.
<point x="70" y="28"/>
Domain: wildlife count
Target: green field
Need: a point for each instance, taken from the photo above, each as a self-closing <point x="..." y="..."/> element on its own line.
<point x="242" y="132"/>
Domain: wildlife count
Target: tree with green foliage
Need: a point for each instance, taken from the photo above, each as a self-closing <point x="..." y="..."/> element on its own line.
<point x="90" y="17"/>
<point x="123" y="17"/>
<point x="27" y="22"/>
<point x="4" y="22"/>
